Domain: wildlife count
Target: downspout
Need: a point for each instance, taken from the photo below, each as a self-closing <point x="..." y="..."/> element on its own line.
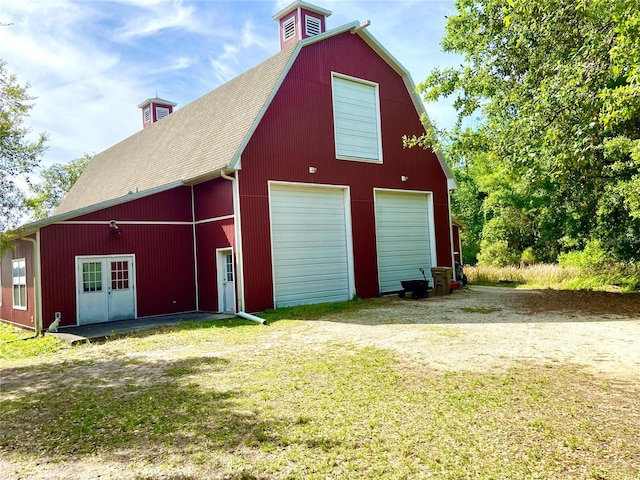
<point x="253" y="318"/>
<point x="195" y="248"/>
<point x="37" y="281"/>
<point x="238" y="249"/>
<point x="227" y="177"/>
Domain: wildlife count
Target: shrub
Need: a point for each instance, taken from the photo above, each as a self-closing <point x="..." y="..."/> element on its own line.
<point x="593" y="255"/>
<point x="527" y="257"/>
<point x="496" y="254"/>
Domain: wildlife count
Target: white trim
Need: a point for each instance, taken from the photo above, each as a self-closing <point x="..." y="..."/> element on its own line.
<point x="143" y="222"/>
<point x="240" y="305"/>
<point x="215" y="219"/>
<point x="376" y="92"/>
<point x="221" y="269"/>
<point x="348" y="229"/>
<point x="132" y="277"/>
<point x="301" y="4"/>
<point x="431" y="219"/>
<point x="120" y="222"/>
<point x="13" y="285"/>
<point x="195" y="248"/>
<point x="234" y="163"/>
<point x="411" y="88"/>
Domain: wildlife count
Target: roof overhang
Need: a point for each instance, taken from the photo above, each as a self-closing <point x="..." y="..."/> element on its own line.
<point x="299" y="3"/>
<point x="417" y="102"/>
<point x="33" y="227"/>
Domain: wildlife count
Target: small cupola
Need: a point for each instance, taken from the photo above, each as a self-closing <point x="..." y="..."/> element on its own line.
<point x="300" y="20"/>
<point x="154" y="109"/>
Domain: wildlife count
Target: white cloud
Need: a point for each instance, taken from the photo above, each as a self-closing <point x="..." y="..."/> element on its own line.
<point x="157" y="18"/>
<point x="226" y="65"/>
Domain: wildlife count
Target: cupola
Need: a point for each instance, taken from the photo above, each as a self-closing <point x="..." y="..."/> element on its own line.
<point x="300" y="20"/>
<point x="154" y="109"/>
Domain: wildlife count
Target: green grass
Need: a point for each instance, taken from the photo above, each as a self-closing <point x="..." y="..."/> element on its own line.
<point x="224" y="401"/>
<point x="623" y="278"/>
<point x="316" y="311"/>
<point x="17" y="343"/>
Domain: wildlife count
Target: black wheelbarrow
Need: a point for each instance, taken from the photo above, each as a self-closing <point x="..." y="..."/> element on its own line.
<point x="417" y="288"/>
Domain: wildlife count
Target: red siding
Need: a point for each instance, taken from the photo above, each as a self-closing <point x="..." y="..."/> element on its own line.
<point x="165" y="277"/>
<point x="169" y="206"/>
<point x="213" y="199"/>
<point x="211" y="236"/>
<point x="309" y="141"/>
<point x="26" y="318"/>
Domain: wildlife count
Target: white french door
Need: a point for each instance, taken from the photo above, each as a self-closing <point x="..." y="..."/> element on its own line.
<point x="105" y="289"/>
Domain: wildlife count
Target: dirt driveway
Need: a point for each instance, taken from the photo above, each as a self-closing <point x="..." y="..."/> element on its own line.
<point x="489" y="328"/>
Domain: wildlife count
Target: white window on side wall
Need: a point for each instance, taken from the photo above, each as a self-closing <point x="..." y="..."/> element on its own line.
<point x="356" y="119"/>
<point x="19" y="269"/>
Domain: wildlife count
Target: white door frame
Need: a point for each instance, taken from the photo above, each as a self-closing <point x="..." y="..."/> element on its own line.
<point x="430" y="218"/>
<point x="348" y="227"/>
<point x="132" y="279"/>
<point x="221" y="272"/>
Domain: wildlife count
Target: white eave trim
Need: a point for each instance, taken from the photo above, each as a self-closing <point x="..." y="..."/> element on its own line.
<point x="30" y="228"/>
<point x="301" y="4"/>
<point x="408" y="81"/>
<point x="234" y="164"/>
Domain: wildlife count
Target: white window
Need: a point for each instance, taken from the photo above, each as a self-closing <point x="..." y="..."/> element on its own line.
<point x="356" y="119"/>
<point x="312" y="25"/>
<point x="147" y="114"/>
<point x="289" y="28"/>
<point x="161" y="112"/>
<point x="19" y="284"/>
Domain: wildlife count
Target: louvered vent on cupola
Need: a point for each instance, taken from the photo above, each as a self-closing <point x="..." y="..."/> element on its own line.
<point x="300" y="20"/>
<point x="154" y="109"/>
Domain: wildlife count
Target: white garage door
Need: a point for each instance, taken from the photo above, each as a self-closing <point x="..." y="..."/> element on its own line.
<point x="311" y="246"/>
<point x="403" y="235"/>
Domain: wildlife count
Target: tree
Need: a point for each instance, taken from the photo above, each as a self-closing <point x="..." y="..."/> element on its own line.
<point x="56" y="182"/>
<point x="18" y="155"/>
<point x="556" y="84"/>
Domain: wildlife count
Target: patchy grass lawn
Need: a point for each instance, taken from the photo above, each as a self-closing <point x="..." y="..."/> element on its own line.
<point x="236" y="400"/>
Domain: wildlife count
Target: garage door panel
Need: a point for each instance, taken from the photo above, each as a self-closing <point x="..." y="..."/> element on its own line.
<point x="403" y="238"/>
<point x="310" y="246"/>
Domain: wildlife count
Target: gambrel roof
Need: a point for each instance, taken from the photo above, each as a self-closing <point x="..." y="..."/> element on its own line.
<point x="198" y="141"/>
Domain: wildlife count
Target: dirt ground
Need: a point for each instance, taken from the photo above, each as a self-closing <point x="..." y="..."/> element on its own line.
<point x="489" y="328"/>
<point x="483" y="329"/>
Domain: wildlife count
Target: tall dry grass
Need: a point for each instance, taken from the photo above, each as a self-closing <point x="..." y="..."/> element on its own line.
<point x="534" y="275"/>
<point x="621" y="277"/>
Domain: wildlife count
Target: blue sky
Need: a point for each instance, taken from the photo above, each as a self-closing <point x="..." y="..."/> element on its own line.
<point x="90" y="63"/>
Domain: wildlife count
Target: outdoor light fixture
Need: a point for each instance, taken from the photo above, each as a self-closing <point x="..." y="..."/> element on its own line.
<point x="113" y="225"/>
<point x="313" y="169"/>
<point x="404" y="178"/>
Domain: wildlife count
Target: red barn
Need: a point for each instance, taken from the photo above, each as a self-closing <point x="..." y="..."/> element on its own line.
<point x="287" y="185"/>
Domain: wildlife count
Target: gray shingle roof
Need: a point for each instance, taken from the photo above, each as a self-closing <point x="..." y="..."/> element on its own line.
<point x="194" y="141"/>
